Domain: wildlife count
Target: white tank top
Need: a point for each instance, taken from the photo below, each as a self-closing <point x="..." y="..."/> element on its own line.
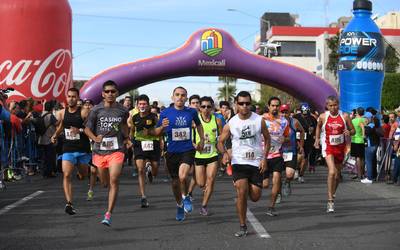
<point x="246" y="138"/>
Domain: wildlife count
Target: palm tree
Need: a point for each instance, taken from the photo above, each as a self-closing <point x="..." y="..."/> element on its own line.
<point x="227" y="92"/>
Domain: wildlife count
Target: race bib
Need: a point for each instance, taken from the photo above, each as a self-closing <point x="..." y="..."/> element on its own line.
<point x="298" y="134"/>
<point x="207" y="149"/>
<point x="180" y="134"/>
<point x="336" y="139"/>
<point x="249" y="155"/>
<point x="287" y="156"/>
<point x="147" y="145"/>
<point x="70" y="136"/>
<point x="110" y="143"/>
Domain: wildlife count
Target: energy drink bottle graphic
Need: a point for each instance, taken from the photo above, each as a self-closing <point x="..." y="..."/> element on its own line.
<point x="361" y="54"/>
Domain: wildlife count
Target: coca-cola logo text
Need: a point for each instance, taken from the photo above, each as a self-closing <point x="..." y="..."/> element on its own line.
<point x="52" y="74"/>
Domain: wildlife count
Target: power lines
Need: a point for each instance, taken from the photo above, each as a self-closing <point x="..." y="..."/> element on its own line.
<point x="157" y="20"/>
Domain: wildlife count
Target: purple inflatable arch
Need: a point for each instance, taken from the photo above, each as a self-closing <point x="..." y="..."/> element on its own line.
<point x="213" y="52"/>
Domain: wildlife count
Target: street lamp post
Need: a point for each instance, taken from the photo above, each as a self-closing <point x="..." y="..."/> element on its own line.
<point x="262" y="20"/>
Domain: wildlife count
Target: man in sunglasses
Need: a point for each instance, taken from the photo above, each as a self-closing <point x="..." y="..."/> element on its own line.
<point x="279" y="130"/>
<point x="247" y="131"/>
<point x="107" y="127"/>
<point x="176" y="121"/>
<point x="207" y="159"/>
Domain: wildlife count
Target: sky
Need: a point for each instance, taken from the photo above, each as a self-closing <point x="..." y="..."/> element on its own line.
<point x="106" y="33"/>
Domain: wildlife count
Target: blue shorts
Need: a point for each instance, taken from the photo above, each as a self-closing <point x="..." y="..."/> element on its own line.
<point x="77" y="158"/>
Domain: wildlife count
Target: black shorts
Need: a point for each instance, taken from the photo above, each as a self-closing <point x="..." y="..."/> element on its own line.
<point x="293" y="163"/>
<point x="357" y="150"/>
<point x="153" y="155"/>
<point x="174" y="160"/>
<point x="205" y="162"/>
<point x="274" y="165"/>
<point x="251" y="173"/>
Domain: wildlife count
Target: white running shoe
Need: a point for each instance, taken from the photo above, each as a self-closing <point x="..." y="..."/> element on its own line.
<point x="366" y="181"/>
<point x="330" y="207"/>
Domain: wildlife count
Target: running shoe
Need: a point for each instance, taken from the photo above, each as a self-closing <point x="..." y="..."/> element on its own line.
<point x="242" y="232"/>
<point x="191" y="197"/>
<point x="330" y="207"/>
<point x="301" y="179"/>
<point x="204" y="211"/>
<point x="271" y="212"/>
<point x="69" y="209"/>
<point x="180" y="213"/>
<point x="144" y="203"/>
<point x="229" y="170"/>
<point x="278" y="199"/>
<point x="286" y="189"/>
<point x="90" y="195"/>
<point x="366" y="181"/>
<point x="187" y="204"/>
<point x="107" y="219"/>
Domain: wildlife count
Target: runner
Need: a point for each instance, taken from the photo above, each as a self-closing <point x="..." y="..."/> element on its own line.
<point x="194" y="102"/>
<point x="291" y="148"/>
<point x="75" y="146"/>
<point x="309" y="123"/>
<point x="207" y="160"/>
<point x="88" y="105"/>
<point x="358" y="144"/>
<point x="248" y="159"/>
<point x="335" y="126"/>
<point x="146" y="147"/>
<point x="177" y="121"/>
<point x="107" y="127"/>
<point x="278" y="129"/>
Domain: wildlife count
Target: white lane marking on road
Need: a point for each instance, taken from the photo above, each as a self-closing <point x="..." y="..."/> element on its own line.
<point x="258" y="227"/>
<point x="20" y="202"/>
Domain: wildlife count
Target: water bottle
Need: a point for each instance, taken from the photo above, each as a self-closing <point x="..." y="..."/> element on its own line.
<point x="361" y="54"/>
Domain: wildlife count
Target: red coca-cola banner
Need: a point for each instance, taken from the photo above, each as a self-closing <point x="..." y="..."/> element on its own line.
<point x="35" y="54"/>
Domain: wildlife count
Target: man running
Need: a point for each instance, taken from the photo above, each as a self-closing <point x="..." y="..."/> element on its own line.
<point x="291" y="148"/>
<point x="194" y="102"/>
<point x="247" y="129"/>
<point x="146" y="147"/>
<point x="75" y="146"/>
<point x="207" y="160"/>
<point x="107" y="127"/>
<point x="336" y="126"/>
<point x="279" y="131"/>
<point x="177" y="121"/>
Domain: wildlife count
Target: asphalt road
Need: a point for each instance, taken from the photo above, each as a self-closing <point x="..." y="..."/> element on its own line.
<point x="366" y="217"/>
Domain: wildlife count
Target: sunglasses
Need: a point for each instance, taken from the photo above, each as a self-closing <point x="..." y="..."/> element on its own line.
<point x="244" y="103"/>
<point x="112" y="91"/>
<point x="285" y="112"/>
<point x="205" y="106"/>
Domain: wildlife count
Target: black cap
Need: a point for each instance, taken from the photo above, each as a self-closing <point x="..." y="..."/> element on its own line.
<point x="362" y="5"/>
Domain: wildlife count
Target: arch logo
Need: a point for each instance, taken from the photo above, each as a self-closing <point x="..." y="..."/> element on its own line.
<point x="211" y="43"/>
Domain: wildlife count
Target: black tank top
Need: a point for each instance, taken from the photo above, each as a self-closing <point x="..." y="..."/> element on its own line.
<point x="74" y="145"/>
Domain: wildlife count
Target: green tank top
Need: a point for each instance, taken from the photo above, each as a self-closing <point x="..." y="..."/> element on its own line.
<point x="148" y="122"/>
<point x="357" y="137"/>
<point x="210" y="138"/>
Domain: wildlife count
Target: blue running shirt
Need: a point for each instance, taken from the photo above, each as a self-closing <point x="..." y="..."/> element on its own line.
<point x="179" y="131"/>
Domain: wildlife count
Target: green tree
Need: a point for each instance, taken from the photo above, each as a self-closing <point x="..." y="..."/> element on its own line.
<point x="392" y="59"/>
<point x="268" y="92"/>
<point x="79" y="83"/>
<point x="228" y="91"/>
<point x="391" y="91"/>
<point x="134" y="93"/>
<point x="333" y="45"/>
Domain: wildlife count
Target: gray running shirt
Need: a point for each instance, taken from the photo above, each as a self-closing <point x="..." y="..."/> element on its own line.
<point x="107" y="122"/>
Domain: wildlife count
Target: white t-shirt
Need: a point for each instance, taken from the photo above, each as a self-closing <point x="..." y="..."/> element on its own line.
<point x="246" y="140"/>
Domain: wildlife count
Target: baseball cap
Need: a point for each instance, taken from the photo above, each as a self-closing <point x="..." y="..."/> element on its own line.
<point x="284" y="107"/>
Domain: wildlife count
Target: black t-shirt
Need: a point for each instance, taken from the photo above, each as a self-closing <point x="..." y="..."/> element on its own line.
<point x="309" y="124"/>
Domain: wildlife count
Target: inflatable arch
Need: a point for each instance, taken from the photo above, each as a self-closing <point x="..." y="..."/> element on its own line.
<point x="213" y="52"/>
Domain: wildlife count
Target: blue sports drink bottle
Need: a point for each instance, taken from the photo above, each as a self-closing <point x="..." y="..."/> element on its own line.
<point x="361" y="54"/>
